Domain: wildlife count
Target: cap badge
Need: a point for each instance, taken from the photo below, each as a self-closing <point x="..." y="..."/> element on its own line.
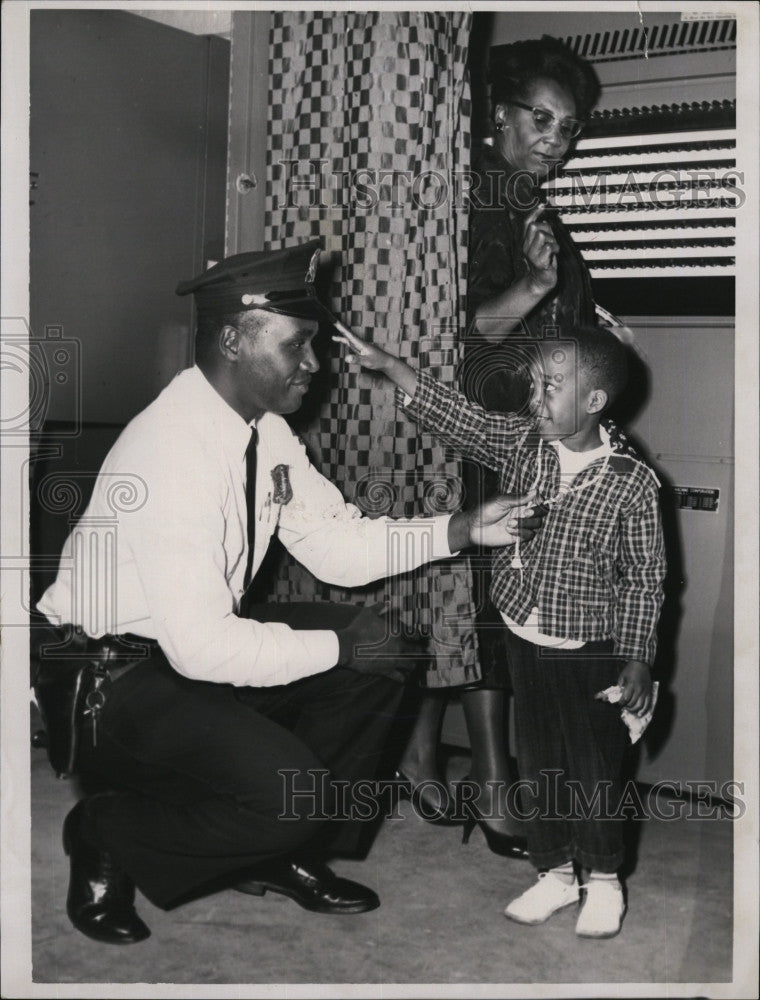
<point x="311" y="274"/>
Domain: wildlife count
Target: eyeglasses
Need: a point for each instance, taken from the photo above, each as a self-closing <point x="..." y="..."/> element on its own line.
<point x="569" y="128"/>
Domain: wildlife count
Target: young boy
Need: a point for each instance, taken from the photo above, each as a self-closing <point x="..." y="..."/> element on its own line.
<point x="580" y="601"/>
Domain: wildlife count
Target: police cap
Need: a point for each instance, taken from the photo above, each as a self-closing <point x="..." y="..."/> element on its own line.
<point x="279" y="281"/>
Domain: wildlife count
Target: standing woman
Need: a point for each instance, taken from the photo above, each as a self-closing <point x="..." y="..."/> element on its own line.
<point x="524" y="269"/>
<point x="524" y="274"/>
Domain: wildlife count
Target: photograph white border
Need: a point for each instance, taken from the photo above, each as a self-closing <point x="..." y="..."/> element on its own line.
<point x="15" y="777"/>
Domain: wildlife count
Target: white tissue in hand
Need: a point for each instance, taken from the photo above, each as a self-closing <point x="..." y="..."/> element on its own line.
<point x="636" y="723"/>
<point x="612" y="695"/>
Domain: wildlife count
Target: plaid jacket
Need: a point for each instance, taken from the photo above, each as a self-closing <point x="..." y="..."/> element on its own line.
<point x="596" y="566"/>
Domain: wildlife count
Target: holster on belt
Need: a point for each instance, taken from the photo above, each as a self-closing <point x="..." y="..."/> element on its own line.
<point x="71" y="679"/>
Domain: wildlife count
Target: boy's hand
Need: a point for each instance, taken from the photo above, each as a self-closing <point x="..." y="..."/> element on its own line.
<point x="636" y="682"/>
<point x="360" y="351"/>
<point x="375" y="359"/>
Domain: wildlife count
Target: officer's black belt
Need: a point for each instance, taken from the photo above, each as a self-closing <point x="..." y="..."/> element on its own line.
<point x="113" y="653"/>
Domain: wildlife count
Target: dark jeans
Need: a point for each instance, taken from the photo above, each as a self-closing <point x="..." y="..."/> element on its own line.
<point x="197" y="768"/>
<point x="570" y="751"/>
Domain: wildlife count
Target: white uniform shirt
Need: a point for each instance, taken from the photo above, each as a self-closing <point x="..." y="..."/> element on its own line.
<point x="161" y="549"/>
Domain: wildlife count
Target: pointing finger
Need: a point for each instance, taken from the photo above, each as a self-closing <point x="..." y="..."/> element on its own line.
<point x="342" y="328"/>
<point x="352" y="339"/>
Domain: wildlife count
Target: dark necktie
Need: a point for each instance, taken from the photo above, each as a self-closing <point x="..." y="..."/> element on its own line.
<point x="250" y="501"/>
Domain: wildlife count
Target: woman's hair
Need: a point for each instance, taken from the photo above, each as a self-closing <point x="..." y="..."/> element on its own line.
<point x="514" y="68"/>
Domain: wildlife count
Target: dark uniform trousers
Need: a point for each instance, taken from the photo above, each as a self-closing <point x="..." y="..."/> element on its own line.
<point x="197" y="769"/>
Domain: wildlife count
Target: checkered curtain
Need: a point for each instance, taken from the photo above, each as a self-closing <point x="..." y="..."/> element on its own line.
<point x="368" y="137"/>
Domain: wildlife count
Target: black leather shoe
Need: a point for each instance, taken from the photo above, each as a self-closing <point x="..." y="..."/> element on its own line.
<point x="101" y="897"/>
<point x="312" y="885"/>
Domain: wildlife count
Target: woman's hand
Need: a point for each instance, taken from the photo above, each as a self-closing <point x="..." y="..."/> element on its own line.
<point x="540" y="250"/>
<point x="375" y="359"/>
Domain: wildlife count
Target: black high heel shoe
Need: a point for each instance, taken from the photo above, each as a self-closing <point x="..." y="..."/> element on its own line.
<point x="433" y="814"/>
<point x="504" y="844"/>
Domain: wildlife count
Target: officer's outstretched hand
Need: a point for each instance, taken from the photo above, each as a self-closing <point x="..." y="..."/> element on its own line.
<point x="368" y="645"/>
<point x="496" y="523"/>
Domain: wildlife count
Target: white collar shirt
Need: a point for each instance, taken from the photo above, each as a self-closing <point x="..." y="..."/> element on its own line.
<point x="161" y="549"/>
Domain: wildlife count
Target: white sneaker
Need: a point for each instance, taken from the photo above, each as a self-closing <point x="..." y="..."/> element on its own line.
<point x="602" y="913"/>
<point x="547" y="896"/>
